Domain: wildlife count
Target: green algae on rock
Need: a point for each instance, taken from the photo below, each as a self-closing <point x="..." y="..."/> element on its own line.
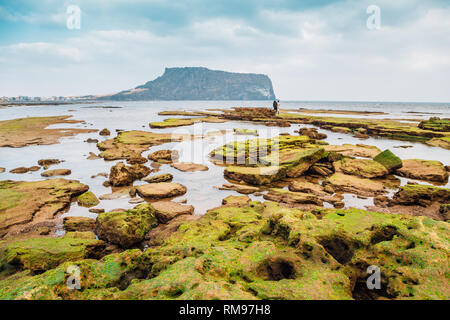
<point x="411" y="194"/>
<point x="41" y="254"/>
<point x="246" y="132"/>
<point x="126" y="228"/>
<point x="88" y="199"/>
<point x="265" y="251"/>
<point x="435" y="124"/>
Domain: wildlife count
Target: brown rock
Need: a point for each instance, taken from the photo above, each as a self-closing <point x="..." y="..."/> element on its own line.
<point x="93" y="156"/>
<point x="236" y="201"/>
<point x="79" y="224"/>
<point x="167" y="210"/>
<point x="243" y="189"/>
<point x="169" y="155"/>
<point x="56" y="172"/>
<point x="104" y="132"/>
<point x="161" y="190"/>
<point x="19" y="170"/>
<point x="366" y="168"/>
<point x="157" y="235"/>
<point x="136" y="160"/>
<point x="165" y="177"/>
<point x="2" y="170"/>
<point x="312" y="133"/>
<point x="354" y="184"/>
<point x="90" y="140"/>
<point x="121" y="175"/>
<point x="423" y="170"/>
<point x="285" y="196"/>
<point x="48" y="162"/>
<point x="96" y="210"/>
<point x="189" y="167"/>
<point x="34" y="168"/>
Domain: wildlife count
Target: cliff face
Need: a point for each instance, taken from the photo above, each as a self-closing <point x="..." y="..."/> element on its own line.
<point x="201" y="84"/>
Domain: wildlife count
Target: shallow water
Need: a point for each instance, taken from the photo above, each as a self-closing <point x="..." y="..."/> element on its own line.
<point x="200" y="185"/>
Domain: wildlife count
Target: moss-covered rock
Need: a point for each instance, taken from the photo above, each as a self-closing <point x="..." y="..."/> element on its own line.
<point x="255" y="175"/>
<point x="389" y="160"/>
<point x="88" y="199"/>
<point x="164" y="177"/>
<point x="126" y="228"/>
<point x="79" y="224"/>
<point x="435" y="124"/>
<point x="246" y="132"/>
<point x="41" y="254"/>
<point x="265" y="251"/>
<point x="122" y="175"/>
<point x="412" y="194"/>
<point x="286" y="196"/>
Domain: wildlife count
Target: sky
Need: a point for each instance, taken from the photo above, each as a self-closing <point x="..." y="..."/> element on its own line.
<point x="311" y="49"/>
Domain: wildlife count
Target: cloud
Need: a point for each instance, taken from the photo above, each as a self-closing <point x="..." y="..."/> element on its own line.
<point x="319" y="50"/>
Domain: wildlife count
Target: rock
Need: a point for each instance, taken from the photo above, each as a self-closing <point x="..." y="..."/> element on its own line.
<point x="121" y="175"/>
<point x="136" y="200"/>
<point x="247" y="132"/>
<point x="447" y="168"/>
<point x="80" y="235"/>
<point x="351" y="150"/>
<point x="106" y="184"/>
<point x="48" y="162"/>
<point x="236" y="201"/>
<point x="356" y="185"/>
<point x="320" y="170"/>
<point x="435" y="124"/>
<point x="159" y="178"/>
<point x="388" y="160"/>
<point x="381" y="201"/>
<point x="137" y="160"/>
<point x="56" y="172"/>
<point x="444" y="210"/>
<point x="157" y="235"/>
<point x="104" y="132"/>
<point x="34" y="168"/>
<point x="24" y="205"/>
<point x="244" y="189"/>
<point x="2" y="170"/>
<point x="255" y="175"/>
<point x="116" y="194"/>
<point x="365" y="168"/>
<point x="167" y="210"/>
<point x="90" y="140"/>
<point x="161" y="190"/>
<point x="285" y="196"/>
<point x="421" y="195"/>
<point x="169" y="155"/>
<point x="79" y="224"/>
<point x="93" y="156"/>
<point x="126" y="228"/>
<point x="306" y="187"/>
<point x="101" y="174"/>
<point x="312" y="133"/>
<point x="423" y="170"/>
<point x="41" y="254"/>
<point x="361" y="136"/>
<point x="96" y="210"/>
<point x="88" y="199"/>
<point x="19" y="170"/>
<point x="341" y="129"/>
<point x="189" y="166"/>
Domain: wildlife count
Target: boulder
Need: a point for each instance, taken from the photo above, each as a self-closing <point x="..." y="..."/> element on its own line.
<point x="167" y="155"/>
<point x="312" y="133"/>
<point x="255" y="175"/>
<point x="126" y="228"/>
<point x="351" y="150"/>
<point x="88" y="199"/>
<point x="161" y="190"/>
<point x="353" y="184"/>
<point x="164" y="177"/>
<point x="189" y="166"/>
<point x="48" y="162"/>
<point x="423" y="170"/>
<point x="104" y="132"/>
<point x="366" y="168"/>
<point x="79" y="224"/>
<point x="19" y="170"/>
<point x="307" y="187"/>
<point x="2" y="170"/>
<point x="122" y="175"/>
<point x="56" y="172"/>
<point x="236" y="201"/>
<point x="389" y="160"/>
<point x="423" y="195"/>
<point x="168" y="210"/>
<point x="286" y="196"/>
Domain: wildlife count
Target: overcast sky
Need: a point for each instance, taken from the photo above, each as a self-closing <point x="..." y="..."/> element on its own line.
<point x="311" y="49"/>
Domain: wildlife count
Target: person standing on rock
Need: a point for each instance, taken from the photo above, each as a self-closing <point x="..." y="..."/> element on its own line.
<point x="278" y="107"/>
<point x="275" y="106"/>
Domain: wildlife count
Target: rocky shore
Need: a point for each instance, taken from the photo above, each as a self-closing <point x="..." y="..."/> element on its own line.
<point x="300" y="240"/>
